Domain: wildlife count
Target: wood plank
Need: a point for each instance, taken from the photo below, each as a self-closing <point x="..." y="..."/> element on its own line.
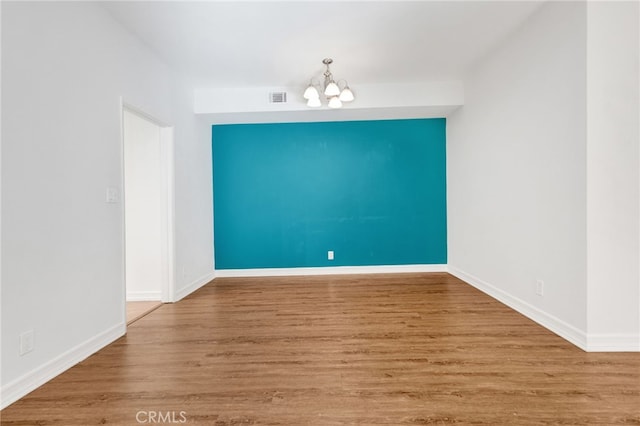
<point x="340" y="350"/>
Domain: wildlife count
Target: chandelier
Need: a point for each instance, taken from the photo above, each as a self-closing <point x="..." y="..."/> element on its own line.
<point x="331" y="90"/>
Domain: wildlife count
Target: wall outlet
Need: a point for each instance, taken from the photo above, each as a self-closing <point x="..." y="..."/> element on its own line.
<point x="330" y="255"/>
<point x="26" y="342"/>
<point x="540" y="288"/>
<point x="112" y="196"/>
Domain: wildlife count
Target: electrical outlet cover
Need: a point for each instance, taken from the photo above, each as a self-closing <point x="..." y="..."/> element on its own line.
<point x="26" y="342"/>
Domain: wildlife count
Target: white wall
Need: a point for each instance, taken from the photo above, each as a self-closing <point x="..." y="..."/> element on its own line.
<point x="144" y="206"/>
<point x="399" y="95"/>
<point x="543" y="173"/>
<point x="194" y="262"/>
<point x="516" y="171"/>
<point x="375" y="102"/>
<point x="65" y="68"/>
<point x="612" y="175"/>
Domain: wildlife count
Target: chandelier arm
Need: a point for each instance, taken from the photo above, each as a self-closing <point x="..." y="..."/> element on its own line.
<point x="342" y="80"/>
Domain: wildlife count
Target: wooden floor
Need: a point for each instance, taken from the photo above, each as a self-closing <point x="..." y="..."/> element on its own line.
<point x="351" y="350"/>
<point x="136" y="310"/>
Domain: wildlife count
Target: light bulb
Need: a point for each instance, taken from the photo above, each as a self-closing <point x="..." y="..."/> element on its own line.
<point x="314" y="102"/>
<point x="335" y="102"/>
<point x="311" y="92"/>
<point x="332" y="89"/>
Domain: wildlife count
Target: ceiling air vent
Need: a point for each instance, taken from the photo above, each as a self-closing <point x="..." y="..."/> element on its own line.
<point x="278" y="97"/>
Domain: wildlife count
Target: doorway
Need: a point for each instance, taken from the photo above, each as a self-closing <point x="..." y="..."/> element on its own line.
<point x="148" y="212"/>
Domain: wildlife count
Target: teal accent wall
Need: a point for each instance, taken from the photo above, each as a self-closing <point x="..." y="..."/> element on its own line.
<point x="374" y="192"/>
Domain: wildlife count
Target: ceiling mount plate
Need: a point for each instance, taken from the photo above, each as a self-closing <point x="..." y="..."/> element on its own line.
<point x="327" y="61"/>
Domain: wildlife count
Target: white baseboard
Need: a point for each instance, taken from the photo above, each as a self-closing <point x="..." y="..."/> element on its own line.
<point x="190" y="288"/>
<point x="143" y="296"/>
<point x="328" y="270"/>
<point x="16" y="389"/>
<point x="613" y="342"/>
<point x="554" y="324"/>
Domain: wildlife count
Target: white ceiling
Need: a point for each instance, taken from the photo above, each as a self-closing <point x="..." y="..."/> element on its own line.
<point x="245" y="44"/>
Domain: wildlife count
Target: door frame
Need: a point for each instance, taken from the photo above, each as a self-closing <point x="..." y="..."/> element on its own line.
<point x="167" y="189"/>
